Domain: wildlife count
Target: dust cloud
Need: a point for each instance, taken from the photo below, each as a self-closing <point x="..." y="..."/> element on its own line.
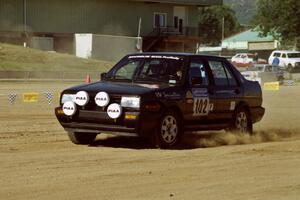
<point x="228" y="138"/>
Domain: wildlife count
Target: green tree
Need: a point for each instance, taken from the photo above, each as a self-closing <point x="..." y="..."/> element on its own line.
<point x="281" y="18"/>
<point x="211" y="23"/>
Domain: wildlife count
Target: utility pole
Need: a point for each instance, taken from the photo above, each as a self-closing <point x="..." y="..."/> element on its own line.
<point x="25" y="21"/>
<point x="223" y="27"/>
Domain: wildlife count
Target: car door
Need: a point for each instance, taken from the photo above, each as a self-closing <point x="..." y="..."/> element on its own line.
<point x="200" y="101"/>
<point x="226" y="89"/>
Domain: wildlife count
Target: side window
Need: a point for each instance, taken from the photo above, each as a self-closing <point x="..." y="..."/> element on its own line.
<point x="222" y="75"/>
<point x="284" y="55"/>
<point x="231" y="79"/>
<point x="197" y="70"/>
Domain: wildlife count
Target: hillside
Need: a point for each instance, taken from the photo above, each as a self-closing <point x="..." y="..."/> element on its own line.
<point x="17" y="58"/>
<point x="245" y="9"/>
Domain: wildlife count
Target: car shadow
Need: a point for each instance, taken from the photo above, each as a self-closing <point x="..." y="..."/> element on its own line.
<point x="191" y="141"/>
<point x="122" y="142"/>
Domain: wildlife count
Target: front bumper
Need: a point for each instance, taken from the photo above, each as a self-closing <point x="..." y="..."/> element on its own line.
<point x="130" y="123"/>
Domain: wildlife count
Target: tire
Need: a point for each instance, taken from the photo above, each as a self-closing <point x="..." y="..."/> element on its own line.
<point x="82" y="138"/>
<point x="169" y="130"/>
<point x="241" y="121"/>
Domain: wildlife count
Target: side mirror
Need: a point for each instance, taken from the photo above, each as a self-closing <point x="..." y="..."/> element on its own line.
<point x="196" y="80"/>
<point x="103" y="76"/>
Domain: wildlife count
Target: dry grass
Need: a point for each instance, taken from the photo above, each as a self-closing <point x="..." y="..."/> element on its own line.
<point x="17" y="58"/>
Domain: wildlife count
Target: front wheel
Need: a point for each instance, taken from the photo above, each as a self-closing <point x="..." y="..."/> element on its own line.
<point x="169" y="130"/>
<point x="82" y="138"/>
<point x="241" y="121"/>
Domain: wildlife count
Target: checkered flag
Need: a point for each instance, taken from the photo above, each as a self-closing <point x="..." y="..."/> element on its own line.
<point x="12" y="98"/>
<point x="48" y="96"/>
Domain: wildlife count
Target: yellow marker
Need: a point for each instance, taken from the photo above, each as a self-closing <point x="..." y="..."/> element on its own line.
<point x="272" y="86"/>
<point x="31" y="97"/>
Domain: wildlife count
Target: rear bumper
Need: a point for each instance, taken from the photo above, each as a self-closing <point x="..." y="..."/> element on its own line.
<point x="257" y="113"/>
<point x="139" y="124"/>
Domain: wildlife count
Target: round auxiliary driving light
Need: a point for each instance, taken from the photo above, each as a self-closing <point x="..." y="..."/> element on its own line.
<point x="69" y="108"/>
<point x="82" y="98"/>
<point x="102" y="99"/>
<point x="114" y="111"/>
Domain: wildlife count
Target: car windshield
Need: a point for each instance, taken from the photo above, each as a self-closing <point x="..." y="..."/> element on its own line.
<point x="294" y="55"/>
<point x="154" y="68"/>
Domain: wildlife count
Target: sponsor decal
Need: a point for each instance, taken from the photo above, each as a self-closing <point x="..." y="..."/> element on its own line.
<point x="69" y="108"/>
<point x="114" y="111"/>
<point x="171" y="95"/>
<point x="200" y="92"/>
<point x="102" y="99"/>
<point x="232" y="105"/>
<point x="158" y="94"/>
<point x="82" y="98"/>
<point x="149" y="86"/>
<point x="189" y="95"/>
<point x="154" y="56"/>
<point x="172" y="81"/>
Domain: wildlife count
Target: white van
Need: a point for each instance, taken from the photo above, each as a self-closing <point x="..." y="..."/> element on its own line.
<point x="288" y="60"/>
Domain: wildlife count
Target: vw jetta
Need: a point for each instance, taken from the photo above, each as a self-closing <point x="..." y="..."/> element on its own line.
<point x="162" y="96"/>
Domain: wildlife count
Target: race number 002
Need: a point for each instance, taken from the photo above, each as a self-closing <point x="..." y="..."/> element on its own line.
<point x="201" y="106"/>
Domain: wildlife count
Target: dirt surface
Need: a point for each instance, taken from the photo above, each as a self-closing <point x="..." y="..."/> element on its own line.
<point x="39" y="162"/>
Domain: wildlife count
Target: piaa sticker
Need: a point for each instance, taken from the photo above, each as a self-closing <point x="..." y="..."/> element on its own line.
<point x="69" y="108"/>
<point x="82" y="98"/>
<point x="102" y="99"/>
<point x="114" y="111"/>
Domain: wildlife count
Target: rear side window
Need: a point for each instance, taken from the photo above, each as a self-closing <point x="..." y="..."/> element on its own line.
<point x="284" y="55"/>
<point x="222" y="75"/>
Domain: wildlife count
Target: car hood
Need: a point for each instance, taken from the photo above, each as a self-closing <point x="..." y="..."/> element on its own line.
<point x="117" y="88"/>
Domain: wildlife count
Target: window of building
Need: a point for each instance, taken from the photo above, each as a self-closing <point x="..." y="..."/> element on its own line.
<point x="160" y="20"/>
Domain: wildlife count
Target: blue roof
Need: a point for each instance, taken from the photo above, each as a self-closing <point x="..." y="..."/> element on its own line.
<point x="250" y="36"/>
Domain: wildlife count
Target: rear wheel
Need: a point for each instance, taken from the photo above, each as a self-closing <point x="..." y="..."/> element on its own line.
<point x="82" y="138"/>
<point x="169" y="130"/>
<point x="241" y="122"/>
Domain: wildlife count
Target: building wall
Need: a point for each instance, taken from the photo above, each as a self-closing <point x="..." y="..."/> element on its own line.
<point x="112" y="48"/>
<point x="235" y="45"/>
<point x="117" y="17"/>
<point x="262" y="45"/>
<point x="11" y="15"/>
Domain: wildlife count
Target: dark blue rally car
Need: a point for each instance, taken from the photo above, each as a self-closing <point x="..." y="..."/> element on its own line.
<point x="161" y="96"/>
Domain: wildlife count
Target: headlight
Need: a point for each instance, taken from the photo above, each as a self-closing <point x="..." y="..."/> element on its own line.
<point x="68" y="97"/>
<point x="131" y="102"/>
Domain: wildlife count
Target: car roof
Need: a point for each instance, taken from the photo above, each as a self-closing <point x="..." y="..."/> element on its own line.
<point x="285" y="51"/>
<point x="174" y="54"/>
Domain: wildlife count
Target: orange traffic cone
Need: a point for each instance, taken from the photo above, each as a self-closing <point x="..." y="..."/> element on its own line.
<point x="88" y="79"/>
